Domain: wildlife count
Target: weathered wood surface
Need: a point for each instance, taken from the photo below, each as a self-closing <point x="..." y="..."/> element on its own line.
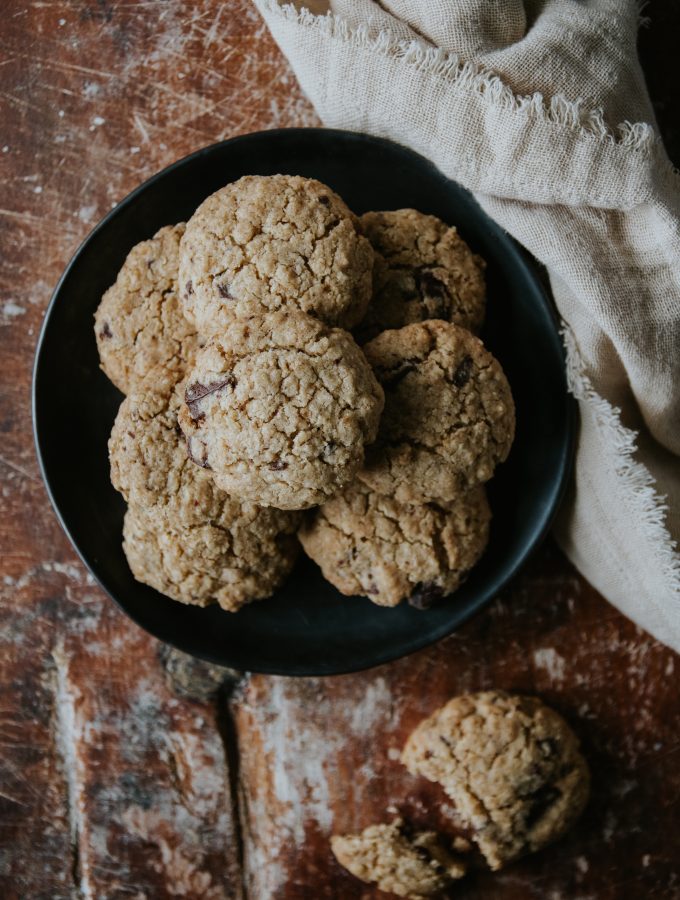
<point x="129" y="770"/>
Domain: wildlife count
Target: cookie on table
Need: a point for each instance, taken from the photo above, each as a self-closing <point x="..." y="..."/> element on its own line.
<point x="369" y="543"/>
<point x="140" y="323"/>
<point x="266" y="243"/>
<point x="398" y="860"/>
<point x="449" y="417"/>
<point x="244" y="556"/>
<point x="511" y="765"/>
<point x="279" y="408"/>
<point x="423" y="270"/>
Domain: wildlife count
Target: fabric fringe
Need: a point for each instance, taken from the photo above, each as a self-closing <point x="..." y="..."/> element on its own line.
<point x="648" y="507"/>
<point x="639" y="137"/>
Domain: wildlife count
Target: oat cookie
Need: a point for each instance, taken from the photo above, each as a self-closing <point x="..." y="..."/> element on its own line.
<point x="140" y="323"/>
<point x="243" y="556"/>
<point x="423" y="270"/>
<point x="267" y="243"/>
<point x="449" y="416"/>
<point x="150" y="466"/>
<point x="369" y="543"/>
<point x="401" y="861"/>
<point x="184" y="536"/>
<point x="511" y="765"/>
<point x="279" y="407"/>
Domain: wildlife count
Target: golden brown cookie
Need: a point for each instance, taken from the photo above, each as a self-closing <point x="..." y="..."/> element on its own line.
<point x="369" y="543"/>
<point x="449" y="417"/>
<point x="279" y="407"/>
<point x="184" y="536"/>
<point x="511" y="765"/>
<point x="140" y="324"/>
<point x="150" y="466"/>
<point x="423" y="270"/>
<point x="398" y="860"/>
<point x="266" y="243"/>
<point x="243" y="556"/>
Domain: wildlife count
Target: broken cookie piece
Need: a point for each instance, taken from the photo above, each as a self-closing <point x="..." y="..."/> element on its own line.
<point x="408" y="863"/>
<point x="511" y="765"/>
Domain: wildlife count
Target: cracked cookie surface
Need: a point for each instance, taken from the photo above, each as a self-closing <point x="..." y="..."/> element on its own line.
<point x="184" y="536"/>
<point x="423" y="270"/>
<point x="511" y="765"/>
<point x="279" y="407"/>
<point x="407" y="863"/>
<point x="273" y="242"/>
<point x="150" y="465"/>
<point x="243" y="557"/>
<point x="449" y="417"/>
<point x="369" y="543"/>
<point x="140" y="323"/>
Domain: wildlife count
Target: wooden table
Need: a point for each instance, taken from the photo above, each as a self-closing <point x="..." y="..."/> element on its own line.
<point x="130" y="770"/>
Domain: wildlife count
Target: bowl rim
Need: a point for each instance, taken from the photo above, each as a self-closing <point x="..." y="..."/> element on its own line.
<point x="543" y="524"/>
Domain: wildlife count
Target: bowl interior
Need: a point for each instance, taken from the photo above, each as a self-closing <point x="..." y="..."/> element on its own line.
<point x="307" y="627"/>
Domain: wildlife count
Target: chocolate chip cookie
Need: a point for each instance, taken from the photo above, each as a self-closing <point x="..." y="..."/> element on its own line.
<point x="279" y="407"/>
<point x="398" y="860"/>
<point x="148" y="455"/>
<point x="511" y="765"/>
<point x="270" y="243"/>
<point x="449" y="417"/>
<point x="423" y="270"/>
<point x="244" y="556"/>
<point x="184" y="536"/>
<point x="369" y="543"/>
<point x="140" y="324"/>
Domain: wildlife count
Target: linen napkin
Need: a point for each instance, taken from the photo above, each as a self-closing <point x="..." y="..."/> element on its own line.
<point x="539" y="107"/>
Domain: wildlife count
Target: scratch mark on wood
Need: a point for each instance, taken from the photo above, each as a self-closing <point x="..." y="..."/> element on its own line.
<point x="67" y="739"/>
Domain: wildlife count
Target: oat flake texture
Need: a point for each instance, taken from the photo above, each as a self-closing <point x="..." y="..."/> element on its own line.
<point x="140" y="322"/>
<point x="182" y="534"/>
<point x="369" y="543"/>
<point x="267" y="243"/>
<point x="423" y="269"/>
<point x="279" y="407"/>
<point x="400" y="861"/>
<point x="542" y="111"/>
<point x="449" y="416"/>
<point x="511" y="765"/>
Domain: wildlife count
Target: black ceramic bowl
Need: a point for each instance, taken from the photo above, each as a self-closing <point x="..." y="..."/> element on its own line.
<point x="307" y="628"/>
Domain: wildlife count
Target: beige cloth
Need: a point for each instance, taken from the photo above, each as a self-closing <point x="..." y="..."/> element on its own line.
<point x="529" y="105"/>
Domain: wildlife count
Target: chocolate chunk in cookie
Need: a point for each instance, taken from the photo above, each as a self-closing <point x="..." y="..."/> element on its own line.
<point x="266" y="243"/>
<point x="398" y="860"/>
<point x="423" y="270"/>
<point x="369" y="543"/>
<point x="280" y="407"/>
<point x="449" y="416"/>
<point x="140" y="324"/>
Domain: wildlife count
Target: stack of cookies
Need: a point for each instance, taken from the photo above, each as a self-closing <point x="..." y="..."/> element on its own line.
<point x="280" y="355"/>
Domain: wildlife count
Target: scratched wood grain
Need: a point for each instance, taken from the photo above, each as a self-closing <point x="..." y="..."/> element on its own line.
<point x="127" y="769"/>
<point x="549" y="634"/>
